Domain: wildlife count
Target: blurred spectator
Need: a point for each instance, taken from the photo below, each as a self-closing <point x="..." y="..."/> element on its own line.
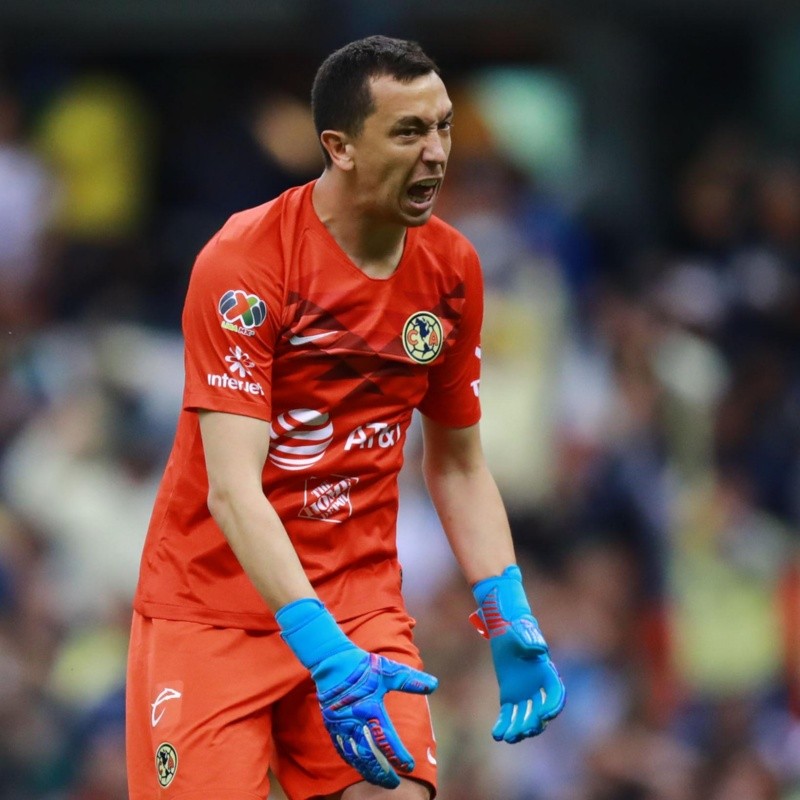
<point x="97" y="453"/>
<point x="96" y="135"/>
<point x="526" y="302"/>
<point x="226" y="156"/>
<point x="28" y="195"/>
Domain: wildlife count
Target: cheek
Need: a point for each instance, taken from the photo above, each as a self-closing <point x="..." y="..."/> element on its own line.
<point x="393" y="177"/>
<point x="388" y="171"/>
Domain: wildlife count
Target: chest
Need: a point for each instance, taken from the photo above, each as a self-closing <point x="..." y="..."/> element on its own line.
<point x="346" y="334"/>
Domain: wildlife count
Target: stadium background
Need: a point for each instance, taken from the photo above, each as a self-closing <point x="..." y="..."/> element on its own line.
<point x="631" y="177"/>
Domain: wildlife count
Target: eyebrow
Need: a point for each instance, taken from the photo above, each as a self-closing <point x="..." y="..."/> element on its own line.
<point x="413" y="121"/>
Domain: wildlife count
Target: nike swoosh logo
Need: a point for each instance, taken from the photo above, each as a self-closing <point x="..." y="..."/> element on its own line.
<point x="296" y="340"/>
<point x="166" y="694"/>
<point x="431" y="757"/>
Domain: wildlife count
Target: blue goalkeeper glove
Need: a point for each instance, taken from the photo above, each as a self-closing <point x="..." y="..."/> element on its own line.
<point x="351" y="684"/>
<point x="531" y="691"/>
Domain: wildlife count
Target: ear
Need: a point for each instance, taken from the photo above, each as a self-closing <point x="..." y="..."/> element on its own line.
<point x="339" y="148"/>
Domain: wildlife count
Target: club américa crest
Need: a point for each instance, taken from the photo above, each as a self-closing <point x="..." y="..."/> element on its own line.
<point x="423" y="337"/>
<point x="166" y="763"/>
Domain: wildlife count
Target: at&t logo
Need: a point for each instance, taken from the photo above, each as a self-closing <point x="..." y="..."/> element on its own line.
<point x="375" y="434"/>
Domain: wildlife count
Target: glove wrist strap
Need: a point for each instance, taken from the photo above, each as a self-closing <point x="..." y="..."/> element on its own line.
<point x="499" y="598"/>
<point x="311" y="631"/>
<point x="509" y="582"/>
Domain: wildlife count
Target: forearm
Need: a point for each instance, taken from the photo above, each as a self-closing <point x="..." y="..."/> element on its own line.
<point x="261" y="544"/>
<point x="473" y="516"/>
<point x="235" y="449"/>
<point x="350" y="681"/>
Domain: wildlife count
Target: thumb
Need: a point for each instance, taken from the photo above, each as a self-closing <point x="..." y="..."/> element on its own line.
<point x="529" y="637"/>
<point x="401" y="677"/>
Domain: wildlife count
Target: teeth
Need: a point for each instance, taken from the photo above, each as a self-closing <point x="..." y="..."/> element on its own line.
<point x="429" y="182"/>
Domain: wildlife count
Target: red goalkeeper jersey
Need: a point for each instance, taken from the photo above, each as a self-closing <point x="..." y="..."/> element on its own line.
<point x="279" y="324"/>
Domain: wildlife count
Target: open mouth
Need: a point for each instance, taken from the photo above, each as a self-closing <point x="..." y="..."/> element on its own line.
<point x="423" y="192"/>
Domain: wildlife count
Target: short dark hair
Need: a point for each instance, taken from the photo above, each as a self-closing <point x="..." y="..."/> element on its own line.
<point x="340" y="96"/>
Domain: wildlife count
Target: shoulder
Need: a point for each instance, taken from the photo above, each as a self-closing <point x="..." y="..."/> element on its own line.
<point x="252" y="230"/>
<point x="248" y="252"/>
<point x="451" y="252"/>
<point x="437" y="236"/>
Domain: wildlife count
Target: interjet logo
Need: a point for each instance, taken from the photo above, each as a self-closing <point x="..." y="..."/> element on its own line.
<point x="239" y="363"/>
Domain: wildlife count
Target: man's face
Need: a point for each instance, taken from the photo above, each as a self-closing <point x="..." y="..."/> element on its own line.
<point x="400" y="155"/>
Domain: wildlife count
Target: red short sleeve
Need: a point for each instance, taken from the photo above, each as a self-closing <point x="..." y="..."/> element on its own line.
<point x="230" y="325"/>
<point x="453" y="395"/>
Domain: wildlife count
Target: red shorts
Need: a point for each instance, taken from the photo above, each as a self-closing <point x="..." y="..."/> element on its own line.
<point x="210" y="710"/>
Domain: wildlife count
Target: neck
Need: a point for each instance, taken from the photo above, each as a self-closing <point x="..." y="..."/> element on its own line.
<point x="375" y="248"/>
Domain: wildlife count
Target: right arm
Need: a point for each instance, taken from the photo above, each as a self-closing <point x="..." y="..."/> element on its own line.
<point x="235" y="451"/>
<point x="351" y="682"/>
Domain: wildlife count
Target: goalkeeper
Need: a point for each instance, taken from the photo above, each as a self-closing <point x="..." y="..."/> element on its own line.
<point x="269" y="629"/>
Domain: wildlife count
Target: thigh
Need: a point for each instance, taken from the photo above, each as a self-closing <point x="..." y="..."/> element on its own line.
<point x="305" y="761"/>
<point x="199" y="709"/>
<point x="407" y="790"/>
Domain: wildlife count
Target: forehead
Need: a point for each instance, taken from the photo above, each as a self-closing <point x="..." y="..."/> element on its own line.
<point x="424" y="97"/>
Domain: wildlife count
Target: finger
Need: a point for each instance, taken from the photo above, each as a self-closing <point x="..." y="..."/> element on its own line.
<point x="381" y="753"/>
<point x="524" y="722"/>
<point x="360" y="753"/>
<point x="528" y="723"/>
<point x="503" y="722"/>
<point x="384" y="740"/>
<point x="530" y="718"/>
<point x="407" y="679"/>
<point x="552" y="693"/>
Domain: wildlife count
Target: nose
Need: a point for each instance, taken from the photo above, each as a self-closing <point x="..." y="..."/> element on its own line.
<point x="436" y="149"/>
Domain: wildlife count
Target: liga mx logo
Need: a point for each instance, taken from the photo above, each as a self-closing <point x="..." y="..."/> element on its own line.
<point x="241" y="312"/>
<point x="422" y="337"/>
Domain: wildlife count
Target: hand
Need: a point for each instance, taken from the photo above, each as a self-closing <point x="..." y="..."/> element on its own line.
<point x="351" y="684"/>
<point x="531" y="691"/>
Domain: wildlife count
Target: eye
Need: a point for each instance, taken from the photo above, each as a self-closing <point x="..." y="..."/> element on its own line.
<point x="447" y="125"/>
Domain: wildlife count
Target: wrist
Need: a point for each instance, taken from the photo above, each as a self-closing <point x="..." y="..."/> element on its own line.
<point x="310" y="631"/>
<point x="510" y="579"/>
<point x="500" y="599"/>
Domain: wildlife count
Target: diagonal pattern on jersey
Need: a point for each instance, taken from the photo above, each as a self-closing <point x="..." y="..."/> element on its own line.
<point x="354" y="357"/>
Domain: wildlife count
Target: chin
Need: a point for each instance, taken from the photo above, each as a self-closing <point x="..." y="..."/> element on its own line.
<point x="417" y="222"/>
<point x="416" y="219"/>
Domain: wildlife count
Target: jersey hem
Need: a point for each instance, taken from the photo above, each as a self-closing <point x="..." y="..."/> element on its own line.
<point x="243" y="409"/>
<point x="451" y="420"/>
<point x="225" y="619"/>
<point x="249" y="621"/>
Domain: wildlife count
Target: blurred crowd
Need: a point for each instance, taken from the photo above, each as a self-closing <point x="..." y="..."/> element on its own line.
<point x="641" y="414"/>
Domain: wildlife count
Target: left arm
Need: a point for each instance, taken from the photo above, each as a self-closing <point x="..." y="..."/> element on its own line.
<point x="466" y="499"/>
<point x="472" y="514"/>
